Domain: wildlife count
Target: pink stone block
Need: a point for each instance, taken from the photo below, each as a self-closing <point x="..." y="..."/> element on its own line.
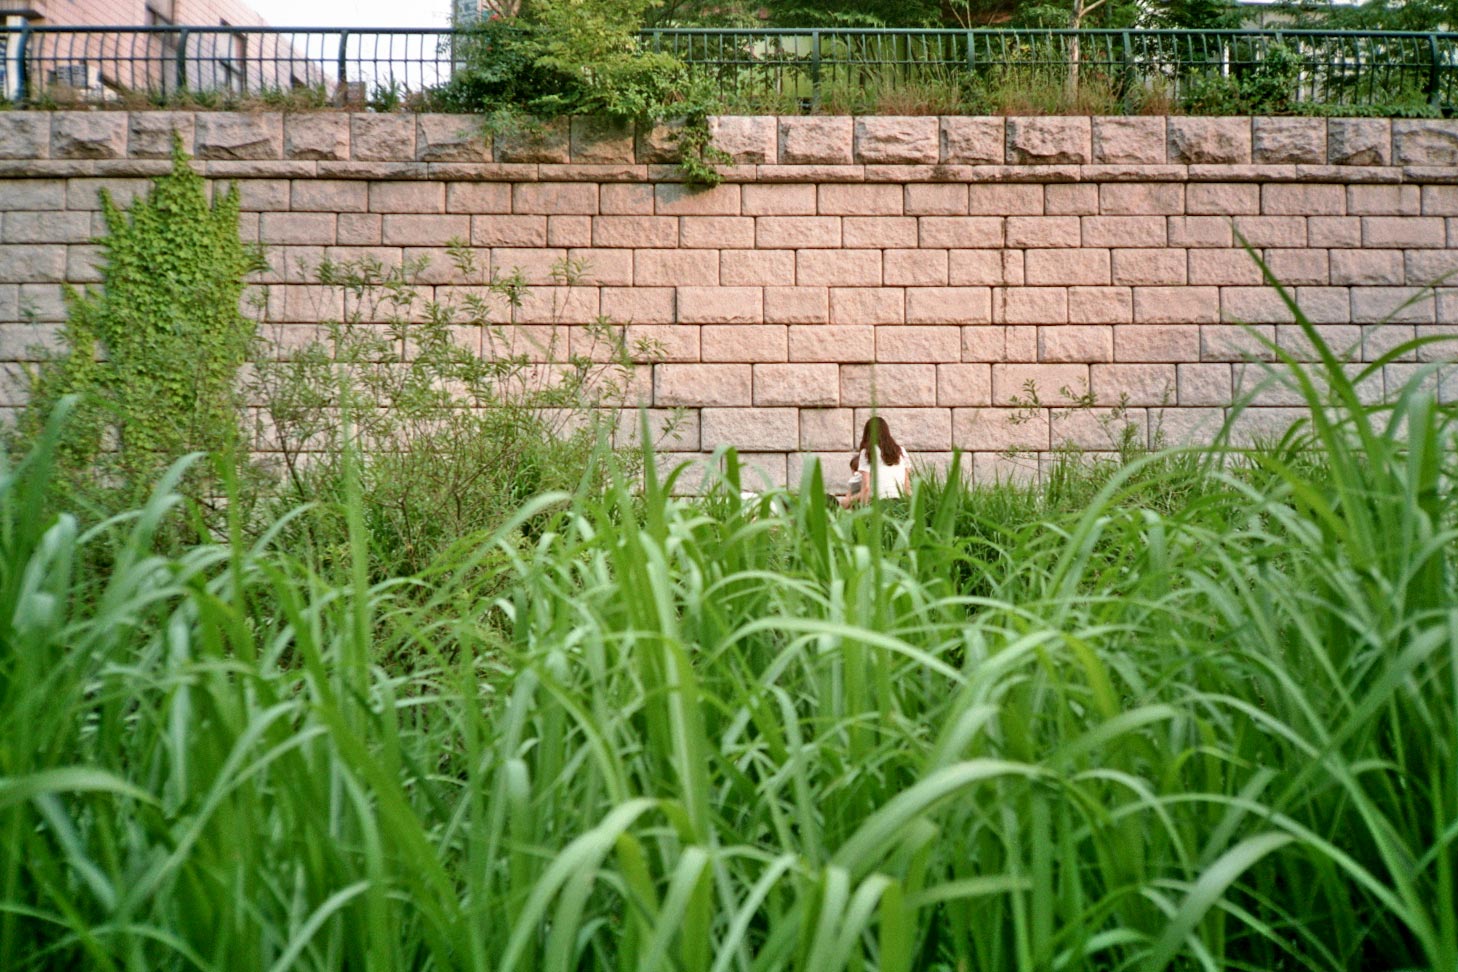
<point x="1288" y="141"/>
<point x="727" y="232"/>
<point x="827" y="430"/>
<point x="914" y="268"/>
<point x="1253" y="305"/>
<point x="1052" y="268"/>
<point x="797" y="232"/>
<point x="1129" y="140"/>
<point x="634" y="232"/>
<point x="529" y="231"/>
<point x="987" y="268"/>
<point x="824" y="140"/>
<point x="1334" y="231"/>
<point x="722" y="385"/>
<point x="758" y="268"/>
<point x="1071" y="199"/>
<point x="375" y="138"/>
<point x="961" y="232"/>
<point x="610" y="268"/>
<point x="888" y="385"/>
<point x="1404" y="231"/>
<point x="1100" y="305"/>
<point x="1367" y="268"/>
<point x="1283" y="199"/>
<point x="1221" y="198"/>
<point x="720" y="305"/>
<point x="569" y="231"/>
<point x="1048" y="140"/>
<point x="832" y="342"/>
<point x="867" y="305"/>
<point x="88" y="135"/>
<point x="936" y="199"/>
<point x="1200" y="231"/>
<point x="1075" y="343"/>
<point x="948" y="305"/>
<point x="1203" y="384"/>
<point x="884" y="139"/>
<point x="549" y="142"/>
<point x="683" y="268"/>
<point x="1043" y="231"/>
<point x="554" y="198"/>
<point x="803" y="385"/>
<point x="993" y="199"/>
<point x="297" y="228"/>
<point x="1224" y="267"/>
<point x="1261" y="231"/>
<point x="838" y="268"/>
<point x="972" y="141"/>
<point x="796" y="305"/>
<point x="1034" y="305"/>
<point x="677" y="199"/>
<point x="1358" y="141"/>
<point x="478" y="197"/>
<point x="1194" y="140"/>
<point x="600" y="140"/>
<point x="748" y="139"/>
<point x="984" y="343"/>
<point x="878" y="232"/>
<point x="329" y="196"/>
<point x="1176" y="305"/>
<point x="916" y="429"/>
<point x="641" y="305"/>
<point x="743" y="342"/>
<point x="407" y="197"/>
<point x="450" y="138"/>
<point x="964" y="385"/>
<point x="243" y="135"/>
<point x="751" y="429"/>
<point x="1142" y="198"/>
<point x="1124" y="231"/>
<point x="1136" y="384"/>
<point x="1157" y="342"/>
<point x="625" y="199"/>
<point x="999" y="429"/>
<point x="860" y="199"/>
<point x="935" y="344"/>
<point x="793" y="199"/>
<point x="1293" y="267"/>
<point x="1386" y="200"/>
<point x="1012" y="382"/>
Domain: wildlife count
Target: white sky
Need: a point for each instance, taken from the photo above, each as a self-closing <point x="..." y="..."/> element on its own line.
<point x="354" y="13"/>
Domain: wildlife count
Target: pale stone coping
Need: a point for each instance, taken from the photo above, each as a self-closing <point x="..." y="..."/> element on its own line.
<point x="824" y="148"/>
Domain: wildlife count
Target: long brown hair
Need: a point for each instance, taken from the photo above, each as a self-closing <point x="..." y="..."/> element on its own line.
<point x="878" y="433"/>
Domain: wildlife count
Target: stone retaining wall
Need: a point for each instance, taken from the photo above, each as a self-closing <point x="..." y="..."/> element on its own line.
<point x="932" y="266"/>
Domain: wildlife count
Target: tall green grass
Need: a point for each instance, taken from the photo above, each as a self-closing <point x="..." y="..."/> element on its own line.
<point x="1196" y="712"/>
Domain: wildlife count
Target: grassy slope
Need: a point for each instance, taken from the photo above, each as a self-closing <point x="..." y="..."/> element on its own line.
<point x="1189" y="714"/>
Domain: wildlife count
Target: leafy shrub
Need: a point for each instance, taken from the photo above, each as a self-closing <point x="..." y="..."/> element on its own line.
<point x="455" y="412"/>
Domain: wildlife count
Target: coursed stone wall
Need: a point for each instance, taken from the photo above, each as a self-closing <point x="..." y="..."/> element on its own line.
<point x="937" y="268"/>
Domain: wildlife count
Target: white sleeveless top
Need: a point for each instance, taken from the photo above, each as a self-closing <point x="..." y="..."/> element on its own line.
<point x="887" y="481"/>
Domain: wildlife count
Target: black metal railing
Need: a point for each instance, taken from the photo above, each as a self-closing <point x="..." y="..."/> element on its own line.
<point x="772" y="69"/>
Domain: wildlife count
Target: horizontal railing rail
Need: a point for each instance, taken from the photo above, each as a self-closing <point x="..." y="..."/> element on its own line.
<point x="770" y="69"/>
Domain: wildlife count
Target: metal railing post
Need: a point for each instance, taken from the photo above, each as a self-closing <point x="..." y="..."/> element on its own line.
<point x="22" y="70"/>
<point x="814" y="70"/>
<point x="971" y="54"/>
<point x="182" y="60"/>
<point x="1435" y="94"/>
<point x="342" y="61"/>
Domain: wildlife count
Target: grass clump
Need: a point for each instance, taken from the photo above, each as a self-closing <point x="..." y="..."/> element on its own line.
<point x="1195" y="711"/>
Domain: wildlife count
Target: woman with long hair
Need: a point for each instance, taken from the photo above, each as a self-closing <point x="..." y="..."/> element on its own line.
<point x="880" y="467"/>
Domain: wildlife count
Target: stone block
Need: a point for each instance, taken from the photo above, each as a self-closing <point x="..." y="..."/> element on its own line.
<point x="1415" y="232"/>
<point x="1288" y="140"/>
<point x="678" y="199"/>
<point x="359" y="229"/>
<point x="633" y="231"/>
<point x="1100" y="305"/>
<point x="977" y="429"/>
<point x="1033" y="305"/>
<point x="315" y="135"/>
<point x="751" y="429"/>
<point x="860" y="199"/>
<point x="1157" y="342"/>
<point x="1203" y="384"/>
<point x="1440" y="200"/>
<point x="380" y="138"/>
<point x="1379" y="200"/>
<point x="797" y="232"/>
<point x="451" y="138"/>
<point x="1425" y="141"/>
<point x="329" y="196"/>
<point x="1141" y="198"/>
<point x="1200" y="232"/>
<point x="1148" y="267"/>
<point x="575" y="231"/>
<point x="916" y="429"/>
<point x="1325" y="305"/>
<point x="1071" y="198"/>
<point x="878" y="232"/>
<point x="1358" y="141"/>
<point x="1223" y="267"/>
<point x="1274" y="231"/>
<point x="882" y="139"/>
<point x="963" y="385"/>
<point x="1004" y="199"/>
<point x="796" y="305"/>
<point x="960" y="232"/>
<point x="888" y="385"/>
<point x="1367" y="268"/>
<point x="631" y="199"/>
<point x="423" y="230"/>
<point x="822" y="140"/>
<point x="1033" y="140"/>
<point x="757" y="268"/>
<point x="832" y="342"/>
<point x="238" y="135"/>
<point x="1299" y="267"/>
<point x="676" y="268"/>
<point x="948" y="305"/>
<point x="297" y="228"/>
<point x="692" y="385"/>
<point x="1334" y="231"/>
<point x="984" y="268"/>
<point x="914" y="268"/>
<point x="1083" y="267"/>
<point x="803" y="385"/>
<point x="748" y="139"/>
<point x="720" y="305"/>
<point x="25" y="135"/>
<point x="47" y="227"/>
<point x="407" y="197"/>
<point x="838" y="268"/>
<point x="972" y="140"/>
<point x="1297" y="199"/>
<point x="1253" y="305"/>
<point x="1054" y="383"/>
<point x="1043" y="231"/>
<point x="149" y="133"/>
<point x="1385" y="337"/>
<point x="936" y="199"/>
<point x="726" y="232"/>
<point x="658" y="142"/>
<point x="542" y="142"/>
<point x="640" y="305"/>
<point x="1129" y="140"/>
<point x="788" y="199"/>
<point x="982" y="343"/>
<point x="1176" y="305"/>
<point x="1429" y="267"/>
<point x="743" y="342"/>
<point x="1133" y="384"/>
<point x="502" y="230"/>
<point x="478" y="197"/>
<point x="555" y="198"/>
<point x="867" y="305"/>
<point x="919" y="343"/>
<point x="824" y="430"/>
<point x="88" y="135"/>
<point x="1340" y="338"/>
<point x="1222" y="198"/>
<point x="600" y="140"/>
<point x="1196" y="140"/>
<point x="1075" y="343"/>
<point x="1124" y="231"/>
<point x="1401" y="305"/>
